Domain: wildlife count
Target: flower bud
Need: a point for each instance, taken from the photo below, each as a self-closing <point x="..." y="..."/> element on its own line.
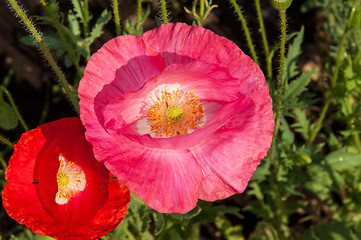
<point x="281" y="4"/>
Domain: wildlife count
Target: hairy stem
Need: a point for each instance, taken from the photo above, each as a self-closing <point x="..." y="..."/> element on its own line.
<point x="279" y="214"/>
<point x="163" y="7"/>
<point x="116" y="18"/>
<point x="139" y="11"/>
<point x="45" y="50"/>
<point x="6" y="142"/>
<point x="246" y="31"/>
<point x="201" y="11"/>
<point x="281" y="80"/>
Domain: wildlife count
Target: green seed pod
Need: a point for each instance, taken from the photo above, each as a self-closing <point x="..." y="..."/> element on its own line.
<point x="281" y="4"/>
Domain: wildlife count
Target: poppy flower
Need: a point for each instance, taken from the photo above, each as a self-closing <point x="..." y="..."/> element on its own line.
<point x="55" y="186"/>
<point x="178" y="114"/>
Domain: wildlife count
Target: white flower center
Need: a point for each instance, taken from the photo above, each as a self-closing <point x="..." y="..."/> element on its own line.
<point x="71" y="180"/>
<point x="175" y="113"/>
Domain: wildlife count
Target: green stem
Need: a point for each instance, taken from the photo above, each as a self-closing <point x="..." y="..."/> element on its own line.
<point x="45" y="50"/>
<point x="3" y="163"/>
<point x="6" y="142"/>
<point x="357" y="141"/>
<point x="335" y="75"/>
<point x="116" y="18"/>
<point x="273" y="182"/>
<point x="265" y="44"/>
<point x="12" y="103"/>
<point x="246" y="31"/>
<point x="164" y="11"/>
<point x="281" y="80"/>
<point x="201" y="11"/>
<point x="139" y="12"/>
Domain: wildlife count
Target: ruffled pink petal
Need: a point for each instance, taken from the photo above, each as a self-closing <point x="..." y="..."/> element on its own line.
<point x="207" y="81"/>
<point x="176" y="43"/>
<point x="231" y="156"/>
<point x="167" y="181"/>
<point x="181" y="43"/>
<point x="125" y="63"/>
<point x="126" y="57"/>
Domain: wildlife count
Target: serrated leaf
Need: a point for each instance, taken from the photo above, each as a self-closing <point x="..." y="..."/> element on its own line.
<point x="303" y="124"/>
<point x="296" y="87"/>
<point x="51" y="39"/>
<point x="73" y="23"/>
<point x="101" y="21"/>
<point x="79" y="9"/>
<point x="97" y="30"/>
<point x="294" y="51"/>
<point x="8" y="118"/>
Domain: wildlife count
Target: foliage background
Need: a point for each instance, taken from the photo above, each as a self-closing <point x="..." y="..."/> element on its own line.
<point x="308" y="188"/>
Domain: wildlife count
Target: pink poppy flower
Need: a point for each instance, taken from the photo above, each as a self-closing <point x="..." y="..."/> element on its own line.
<point x="55" y="186"/>
<point x="178" y="114"/>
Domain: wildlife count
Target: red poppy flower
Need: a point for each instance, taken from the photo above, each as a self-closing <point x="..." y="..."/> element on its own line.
<point x="55" y="186"/>
<point x="178" y="114"/>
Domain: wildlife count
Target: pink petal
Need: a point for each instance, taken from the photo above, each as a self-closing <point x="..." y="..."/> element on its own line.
<point x="167" y="181"/>
<point x="231" y="156"/>
<point x="176" y="43"/>
<point x="126" y="60"/>
<point x="181" y="43"/>
<point x="207" y="81"/>
<point x="127" y="55"/>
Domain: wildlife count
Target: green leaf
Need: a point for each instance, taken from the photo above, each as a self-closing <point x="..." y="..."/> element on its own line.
<point x="74" y="23"/>
<point x="296" y="87"/>
<point x="96" y="32"/>
<point x="294" y="51"/>
<point x="79" y="9"/>
<point x="51" y="39"/>
<point x="229" y="231"/>
<point x="158" y="222"/>
<point x="192" y="213"/>
<point x="341" y="160"/>
<point x="332" y="230"/>
<point x="8" y="118"/>
<point x="287" y="135"/>
<point x="210" y="214"/>
<point x="303" y="124"/>
<point x="101" y="21"/>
